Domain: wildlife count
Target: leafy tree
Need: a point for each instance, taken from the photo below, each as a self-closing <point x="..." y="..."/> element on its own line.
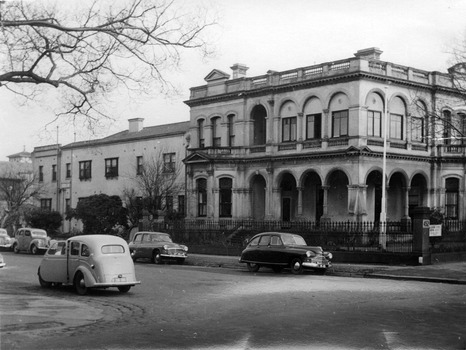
<point x="85" y="50"/>
<point x="100" y="214"/>
<point x="44" y="219"/>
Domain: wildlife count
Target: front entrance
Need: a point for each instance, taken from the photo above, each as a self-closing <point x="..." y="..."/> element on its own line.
<point x="286" y="209"/>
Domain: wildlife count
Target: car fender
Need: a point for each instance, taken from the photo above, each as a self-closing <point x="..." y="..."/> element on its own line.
<point x="34" y="242"/>
<point x="89" y="279"/>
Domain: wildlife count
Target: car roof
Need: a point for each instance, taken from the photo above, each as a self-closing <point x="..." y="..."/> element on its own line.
<point x="98" y="239"/>
<point x="158" y="233"/>
<point x="31" y="229"/>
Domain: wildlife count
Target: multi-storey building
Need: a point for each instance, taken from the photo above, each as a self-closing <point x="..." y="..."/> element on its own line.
<point x="108" y="165"/>
<point x="308" y="143"/>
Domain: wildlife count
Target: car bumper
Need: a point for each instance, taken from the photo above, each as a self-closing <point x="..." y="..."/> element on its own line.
<point x="315" y="265"/>
<point x="177" y="256"/>
<point x="8" y="246"/>
<point x="114" y="284"/>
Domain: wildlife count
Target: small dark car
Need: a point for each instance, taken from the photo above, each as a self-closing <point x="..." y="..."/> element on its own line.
<point x="158" y="247"/>
<point x="284" y="250"/>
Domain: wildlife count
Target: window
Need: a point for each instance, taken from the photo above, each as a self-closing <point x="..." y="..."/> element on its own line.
<point x="201" y="197"/>
<point x="181" y="205"/>
<point x="41" y="173"/>
<point x="112" y="249"/>
<point x="313" y="126"/>
<point x="417" y="129"/>
<point x="265" y="240"/>
<point x="46" y="204"/>
<point x="225" y="197"/>
<point x="68" y="170"/>
<point x="54" y="172"/>
<point x="85" y="251"/>
<point x="200" y="127"/>
<point x="289" y="129"/>
<point x="451" y="198"/>
<point x="74" y="248"/>
<point x="139" y="165"/>
<point x="169" y="203"/>
<point x="111" y="167"/>
<point x="275" y="240"/>
<point x="340" y="123"/>
<point x="396" y="126"/>
<point x="85" y="170"/>
<point x="374" y="123"/>
<point x="231" y="130"/>
<point x="169" y="162"/>
<point x="216" y="137"/>
<point x="67" y="204"/>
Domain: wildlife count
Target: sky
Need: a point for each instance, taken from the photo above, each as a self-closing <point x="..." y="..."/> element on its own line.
<point x="266" y="35"/>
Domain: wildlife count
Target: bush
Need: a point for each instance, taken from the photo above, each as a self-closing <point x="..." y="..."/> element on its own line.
<point x="45" y="219"/>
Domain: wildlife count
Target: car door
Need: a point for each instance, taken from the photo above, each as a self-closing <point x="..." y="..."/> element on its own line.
<point x="53" y="267"/>
<point x="136" y="246"/>
<point x="275" y="251"/>
<point x="261" y="250"/>
<point x="146" y="248"/>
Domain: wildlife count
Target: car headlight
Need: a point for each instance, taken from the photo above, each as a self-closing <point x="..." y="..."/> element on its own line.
<point x="165" y="247"/>
<point x="329" y="256"/>
<point x="184" y="248"/>
<point x="310" y="254"/>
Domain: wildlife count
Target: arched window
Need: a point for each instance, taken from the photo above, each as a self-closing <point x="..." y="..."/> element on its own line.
<point x="200" y="131"/>
<point x="201" y="186"/>
<point x="225" y="185"/>
<point x="418" y="123"/>
<point x="340" y="115"/>
<point x="374" y="115"/>
<point x="397" y="118"/>
<point x="216" y="135"/>
<point x="288" y="115"/>
<point x="259" y="115"/>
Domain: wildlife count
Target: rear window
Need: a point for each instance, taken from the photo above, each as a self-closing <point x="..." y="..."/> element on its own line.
<point x="113" y="249"/>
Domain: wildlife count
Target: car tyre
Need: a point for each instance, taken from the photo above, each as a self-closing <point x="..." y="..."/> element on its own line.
<point x="79" y="283"/>
<point x="34" y="250"/>
<point x="156" y="257"/>
<point x="296" y="266"/>
<point x="43" y="284"/>
<point x="16" y="248"/>
<point x="124" y="289"/>
<point x="253" y="267"/>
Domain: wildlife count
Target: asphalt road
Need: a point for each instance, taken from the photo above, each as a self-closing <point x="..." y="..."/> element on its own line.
<point x="192" y="307"/>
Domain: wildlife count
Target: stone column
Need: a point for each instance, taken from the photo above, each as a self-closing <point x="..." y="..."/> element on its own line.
<point x="300" y="201"/>
<point x="269" y="201"/>
<point x="325" y="217"/>
<point x="421" y="241"/>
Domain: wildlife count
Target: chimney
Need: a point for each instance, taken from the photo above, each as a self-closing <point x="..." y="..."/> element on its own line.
<point x="372" y="53"/>
<point x="239" y="70"/>
<point x="135" y="124"/>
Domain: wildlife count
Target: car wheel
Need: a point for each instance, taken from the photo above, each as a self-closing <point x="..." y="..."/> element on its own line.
<point x="34" y="250"/>
<point x="277" y="269"/>
<point x="79" y="284"/>
<point x="43" y="284"/>
<point x="253" y="267"/>
<point x="296" y="266"/>
<point x="156" y="257"/>
<point x="124" y="289"/>
<point x="16" y="248"/>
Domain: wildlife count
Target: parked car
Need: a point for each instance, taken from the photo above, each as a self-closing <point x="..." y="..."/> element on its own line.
<point x="90" y="261"/>
<point x="284" y="250"/>
<point x="2" y="261"/>
<point x="31" y="240"/>
<point x="6" y="241"/>
<point x="158" y="247"/>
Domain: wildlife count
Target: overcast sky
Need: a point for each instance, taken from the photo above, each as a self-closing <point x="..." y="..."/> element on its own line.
<point x="270" y="34"/>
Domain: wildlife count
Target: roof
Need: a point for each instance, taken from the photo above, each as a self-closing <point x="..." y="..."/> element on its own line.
<point x="148" y="132"/>
<point x="98" y="239"/>
<point x="20" y="154"/>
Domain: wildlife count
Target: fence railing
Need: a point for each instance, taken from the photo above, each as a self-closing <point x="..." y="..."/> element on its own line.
<point x="334" y="236"/>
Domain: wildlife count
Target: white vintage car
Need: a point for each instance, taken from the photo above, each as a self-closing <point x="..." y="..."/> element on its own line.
<point x="31" y="240"/>
<point x="6" y="241"/>
<point x="89" y="261"/>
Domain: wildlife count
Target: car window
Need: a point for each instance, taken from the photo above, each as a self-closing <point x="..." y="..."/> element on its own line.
<point x="112" y="249"/>
<point x="74" y="248"/>
<point x="138" y="239"/>
<point x="275" y="240"/>
<point x="58" y="248"/>
<point x="254" y="241"/>
<point x="27" y="233"/>
<point x="85" y="250"/>
<point x="146" y="238"/>
<point x="53" y="249"/>
<point x="289" y="239"/>
<point x="264" y="240"/>
<point x="161" y="238"/>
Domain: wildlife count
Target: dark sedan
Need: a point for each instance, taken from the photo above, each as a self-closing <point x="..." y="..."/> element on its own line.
<point x="158" y="247"/>
<point x="284" y="250"/>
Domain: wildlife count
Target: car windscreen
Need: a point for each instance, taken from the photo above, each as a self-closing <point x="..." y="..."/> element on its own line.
<point x="113" y="249"/>
<point x="293" y="240"/>
<point x="39" y="233"/>
<point x="161" y="238"/>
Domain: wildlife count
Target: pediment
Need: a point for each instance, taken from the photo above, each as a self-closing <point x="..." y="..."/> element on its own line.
<point x="197" y="158"/>
<point x="216" y="75"/>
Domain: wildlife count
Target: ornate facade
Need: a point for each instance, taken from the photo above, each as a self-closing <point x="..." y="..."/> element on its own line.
<point x="308" y="143"/>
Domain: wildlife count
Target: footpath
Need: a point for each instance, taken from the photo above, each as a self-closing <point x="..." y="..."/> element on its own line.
<point x="454" y="272"/>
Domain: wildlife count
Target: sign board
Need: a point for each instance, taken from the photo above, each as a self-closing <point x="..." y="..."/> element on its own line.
<point x="435" y="230"/>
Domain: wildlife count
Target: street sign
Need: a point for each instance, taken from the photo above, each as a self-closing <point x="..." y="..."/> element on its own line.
<point x="435" y="231"/>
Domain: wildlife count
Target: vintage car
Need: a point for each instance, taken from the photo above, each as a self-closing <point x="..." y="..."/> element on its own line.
<point x="2" y="261"/>
<point x="89" y="261"/>
<point x="284" y="250"/>
<point x="158" y="247"/>
<point x="6" y="242"/>
<point x="31" y="240"/>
